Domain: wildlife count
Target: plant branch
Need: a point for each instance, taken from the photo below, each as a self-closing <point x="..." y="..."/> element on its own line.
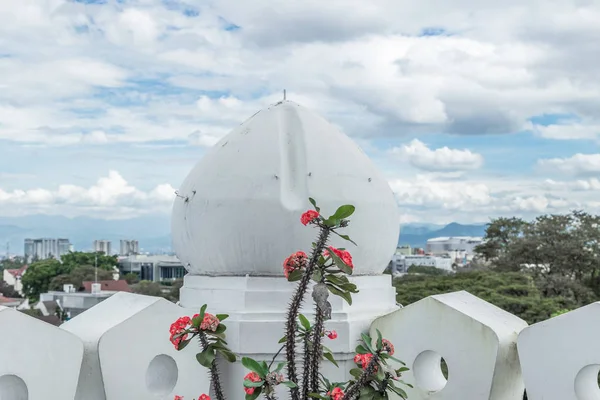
<point x="362" y="381"/>
<point x="214" y="371"/>
<point x="317" y="349"/>
<point x="294" y="308"/>
<point x="275" y="356"/>
<point x="306" y="373"/>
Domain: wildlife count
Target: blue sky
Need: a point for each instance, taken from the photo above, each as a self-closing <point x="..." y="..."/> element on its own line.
<point x="471" y="109"/>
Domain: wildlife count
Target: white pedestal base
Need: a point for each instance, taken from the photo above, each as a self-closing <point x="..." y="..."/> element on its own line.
<point x="258" y="306"/>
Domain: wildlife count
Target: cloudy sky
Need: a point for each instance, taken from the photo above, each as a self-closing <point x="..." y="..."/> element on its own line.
<point x="472" y="109"/>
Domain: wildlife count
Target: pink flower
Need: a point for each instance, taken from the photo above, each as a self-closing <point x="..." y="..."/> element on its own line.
<point x="308" y="217"/>
<point x="331" y="335"/>
<point x="209" y="323"/>
<point x="363" y="360"/>
<point x="178" y="397"/>
<point x="204" y="397"/>
<point x="177" y="330"/>
<point x="388" y="346"/>
<point x="336" y="394"/>
<point x="298" y="260"/>
<point x="252" y="377"/>
<point x="343" y="254"/>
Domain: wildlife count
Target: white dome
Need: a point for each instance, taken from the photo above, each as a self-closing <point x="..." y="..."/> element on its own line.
<point x="238" y="211"/>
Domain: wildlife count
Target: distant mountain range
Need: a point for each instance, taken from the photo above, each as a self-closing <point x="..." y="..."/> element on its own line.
<point x="416" y="235"/>
<point x="153" y="232"/>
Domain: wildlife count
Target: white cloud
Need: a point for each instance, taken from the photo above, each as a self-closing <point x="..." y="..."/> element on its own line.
<point x="579" y="164"/>
<point x="110" y="197"/>
<point x="443" y="159"/>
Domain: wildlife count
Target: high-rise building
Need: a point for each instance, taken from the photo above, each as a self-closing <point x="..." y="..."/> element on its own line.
<point x="129" y="247"/>
<point x="44" y="248"/>
<point x="103" y="246"/>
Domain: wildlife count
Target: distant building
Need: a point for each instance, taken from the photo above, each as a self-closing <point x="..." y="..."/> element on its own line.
<point x="129" y="247"/>
<point x="444" y="263"/>
<point x="448" y="245"/>
<point x="404" y="250"/>
<point x="12" y="277"/>
<point x="103" y="246"/>
<point x="153" y="268"/>
<point x="44" y="248"/>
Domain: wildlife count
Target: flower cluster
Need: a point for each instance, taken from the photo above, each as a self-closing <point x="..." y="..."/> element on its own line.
<point x="336" y="394"/>
<point x="331" y="334"/>
<point x="363" y="360"/>
<point x="343" y="254"/>
<point x="252" y="377"/>
<point x="388" y="347"/>
<point x="177" y="330"/>
<point x="201" y="397"/>
<point x="209" y="323"/>
<point x="309" y="216"/>
<point x="296" y="261"/>
<point x="274" y="378"/>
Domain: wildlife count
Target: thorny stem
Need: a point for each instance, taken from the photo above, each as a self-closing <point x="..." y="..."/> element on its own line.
<point x="214" y="371"/>
<point x="362" y="381"/>
<point x="292" y="323"/>
<point x="317" y="349"/>
<point x="306" y="373"/>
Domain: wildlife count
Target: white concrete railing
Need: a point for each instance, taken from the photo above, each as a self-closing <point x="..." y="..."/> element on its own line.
<point x="119" y="350"/>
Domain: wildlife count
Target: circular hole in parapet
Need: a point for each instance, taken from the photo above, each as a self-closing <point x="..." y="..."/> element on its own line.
<point x="430" y="371"/>
<point x="13" y="388"/>
<point x="161" y="375"/>
<point x="586" y="383"/>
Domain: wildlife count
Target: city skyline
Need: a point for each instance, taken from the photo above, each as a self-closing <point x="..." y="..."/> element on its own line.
<point x="470" y="110"/>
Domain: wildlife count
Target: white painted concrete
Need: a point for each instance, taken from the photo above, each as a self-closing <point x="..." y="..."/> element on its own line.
<point x="257" y="307"/>
<point x="561" y="356"/>
<point x="241" y="204"/>
<point x="128" y="354"/>
<point x="37" y="360"/>
<point x="476" y="339"/>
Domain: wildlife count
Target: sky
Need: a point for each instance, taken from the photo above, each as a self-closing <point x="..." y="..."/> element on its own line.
<point x="472" y="109"/>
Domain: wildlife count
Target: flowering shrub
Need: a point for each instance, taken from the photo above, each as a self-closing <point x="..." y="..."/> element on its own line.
<point x="328" y="267"/>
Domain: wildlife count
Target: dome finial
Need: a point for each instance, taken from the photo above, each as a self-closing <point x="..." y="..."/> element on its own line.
<point x="284" y="96"/>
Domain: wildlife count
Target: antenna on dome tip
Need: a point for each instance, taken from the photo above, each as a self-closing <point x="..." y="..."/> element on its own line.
<point x="284" y="95"/>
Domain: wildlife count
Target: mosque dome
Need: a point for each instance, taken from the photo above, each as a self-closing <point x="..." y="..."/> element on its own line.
<point x="238" y="211"/>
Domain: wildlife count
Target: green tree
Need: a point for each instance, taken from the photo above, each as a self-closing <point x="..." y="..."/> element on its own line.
<point x="425" y="270"/>
<point x="148" y="288"/>
<point x="132" y="278"/>
<point x="8" y="291"/>
<point x="12" y="263"/>
<point x="79" y="259"/>
<point x="39" y="275"/>
<point x="173" y="294"/>
<point x="79" y="275"/>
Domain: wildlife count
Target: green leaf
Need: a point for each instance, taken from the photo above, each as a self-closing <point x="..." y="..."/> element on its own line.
<point x="280" y="366"/>
<point x="346" y="237"/>
<point x="304" y="321"/>
<point x="202" y="311"/>
<point x="340" y="264"/>
<point x="343" y="212"/>
<point x="317" y="276"/>
<point x="367" y="341"/>
<point x="220" y="329"/>
<point x="398" y="361"/>
<point x="337" y="280"/>
<point x="206" y="357"/>
<point x="265" y="367"/>
<point x="344" y="295"/>
<point x="183" y="344"/>
<point x="295" y="275"/>
<point x="254" y="395"/>
<point x="356" y="372"/>
<point x="360" y="349"/>
<point x="222" y="317"/>
<point x="283" y="339"/>
<point x="228" y="355"/>
<point x="314" y="203"/>
<point x="329" y="357"/>
<point x="249" y="383"/>
<point x="254" y="366"/>
<point x="379" y="341"/>
<point x="289" y="384"/>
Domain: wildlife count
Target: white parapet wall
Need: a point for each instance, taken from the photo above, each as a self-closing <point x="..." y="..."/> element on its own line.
<point x="120" y="350"/>
<point x="37" y="360"/>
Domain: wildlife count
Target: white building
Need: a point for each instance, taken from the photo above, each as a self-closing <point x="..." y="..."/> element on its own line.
<point x="157" y="268"/>
<point x="12" y="277"/>
<point x="464" y="245"/>
<point x="103" y="246"/>
<point x="45" y="248"/>
<point x="73" y="302"/>
<point x="129" y="247"/>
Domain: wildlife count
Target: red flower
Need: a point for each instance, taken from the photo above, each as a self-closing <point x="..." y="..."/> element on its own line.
<point x="343" y="254"/>
<point x="336" y="394"/>
<point x="204" y="397"/>
<point x="308" y="217"/>
<point x="252" y="377"/>
<point x="363" y="360"/>
<point x="331" y="334"/>
<point x="177" y="330"/>
<point x="298" y="260"/>
<point x="209" y="323"/>
<point x="388" y="346"/>
<point x="178" y="397"/>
